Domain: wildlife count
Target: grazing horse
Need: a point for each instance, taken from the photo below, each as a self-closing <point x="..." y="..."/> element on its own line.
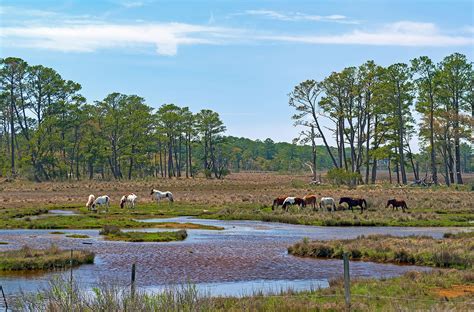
<point x="128" y="200"/>
<point x="102" y="201"/>
<point x="397" y="203"/>
<point x="310" y="200"/>
<point x="293" y="201"/>
<point x="278" y="201"/>
<point x="354" y="202"/>
<point x="158" y="195"/>
<point x="90" y="202"/>
<point x="328" y="203"/>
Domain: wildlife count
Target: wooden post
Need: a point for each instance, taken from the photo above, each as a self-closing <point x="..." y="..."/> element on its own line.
<point x="70" y="280"/>
<point x="347" y="282"/>
<point x="70" y="266"/>
<point x="4" y="298"/>
<point x="132" y="284"/>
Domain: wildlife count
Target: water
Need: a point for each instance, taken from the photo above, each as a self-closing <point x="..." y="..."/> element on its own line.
<point x="245" y="257"/>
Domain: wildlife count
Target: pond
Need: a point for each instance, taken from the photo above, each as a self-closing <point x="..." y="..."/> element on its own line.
<point x="245" y="257"/>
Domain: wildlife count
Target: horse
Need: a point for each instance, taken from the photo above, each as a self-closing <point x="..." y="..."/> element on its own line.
<point x="158" y="195"/>
<point x="328" y="203"/>
<point x="353" y="202"/>
<point x="90" y="201"/>
<point x="293" y="201"/>
<point x="278" y="201"/>
<point x="102" y="201"/>
<point x="128" y="200"/>
<point x="397" y="203"/>
<point x="310" y="200"/>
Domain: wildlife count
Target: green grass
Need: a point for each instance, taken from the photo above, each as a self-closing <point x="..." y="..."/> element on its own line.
<point x="413" y="291"/>
<point x="379" y="217"/>
<point x="3" y="243"/>
<point x="52" y="258"/>
<point x="57" y="233"/>
<point x="115" y="234"/>
<point x="123" y="218"/>
<point x="30" y="218"/>
<point x="451" y="252"/>
<point x="77" y="236"/>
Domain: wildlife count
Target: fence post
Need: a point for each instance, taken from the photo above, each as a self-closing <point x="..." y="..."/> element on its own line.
<point x="132" y="284"/>
<point x="347" y="282"/>
<point x="4" y="298"/>
<point x="70" y="280"/>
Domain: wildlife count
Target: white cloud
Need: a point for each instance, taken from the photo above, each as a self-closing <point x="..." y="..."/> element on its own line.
<point x="297" y="16"/>
<point x="403" y="33"/>
<point x="87" y="38"/>
<point x="167" y="37"/>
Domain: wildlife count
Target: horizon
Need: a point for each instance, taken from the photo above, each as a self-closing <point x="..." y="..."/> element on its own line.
<point x="168" y="52"/>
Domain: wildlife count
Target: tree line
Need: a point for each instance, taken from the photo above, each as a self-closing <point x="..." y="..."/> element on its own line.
<point x="49" y="131"/>
<point x="369" y="111"/>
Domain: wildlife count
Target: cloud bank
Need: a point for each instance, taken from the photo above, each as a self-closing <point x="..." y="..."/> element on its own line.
<point x="83" y="35"/>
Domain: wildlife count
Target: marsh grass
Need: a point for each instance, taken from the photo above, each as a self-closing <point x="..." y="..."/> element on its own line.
<point x="453" y="252"/>
<point x="411" y="291"/>
<point x="77" y="236"/>
<point x="52" y="258"/>
<point x="114" y="233"/>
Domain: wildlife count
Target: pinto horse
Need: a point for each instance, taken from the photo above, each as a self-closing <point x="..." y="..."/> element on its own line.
<point x="310" y="200"/>
<point x="128" y="200"/>
<point x="278" y="201"/>
<point x="354" y="202"/>
<point x="158" y="195"/>
<point x="293" y="201"/>
<point x="397" y="203"/>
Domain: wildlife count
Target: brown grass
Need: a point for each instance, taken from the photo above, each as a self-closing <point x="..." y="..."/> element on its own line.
<point x="256" y="188"/>
<point x="451" y="252"/>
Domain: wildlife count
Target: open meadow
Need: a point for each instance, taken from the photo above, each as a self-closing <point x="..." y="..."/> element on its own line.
<point x="241" y="196"/>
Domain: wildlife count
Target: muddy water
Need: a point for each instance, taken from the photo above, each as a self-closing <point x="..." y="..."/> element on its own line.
<point x="246" y="256"/>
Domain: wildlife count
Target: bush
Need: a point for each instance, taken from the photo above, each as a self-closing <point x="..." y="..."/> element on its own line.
<point x="340" y="176"/>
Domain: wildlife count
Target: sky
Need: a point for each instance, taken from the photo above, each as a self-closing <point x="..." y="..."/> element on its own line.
<point x="239" y="58"/>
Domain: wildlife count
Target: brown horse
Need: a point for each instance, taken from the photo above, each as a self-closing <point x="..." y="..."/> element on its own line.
<point x="310" y="200"/>
<point x="278" y="201"/>
<point x="354" y="202"/>
<point x="397" y="203"/>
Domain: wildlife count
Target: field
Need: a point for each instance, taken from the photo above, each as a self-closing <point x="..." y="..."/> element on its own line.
<point x="239" y="196"/>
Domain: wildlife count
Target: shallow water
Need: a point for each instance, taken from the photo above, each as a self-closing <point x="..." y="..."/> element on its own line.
<point x="245" y="257"/>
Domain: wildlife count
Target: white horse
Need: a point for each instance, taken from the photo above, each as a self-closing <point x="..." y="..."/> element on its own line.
<point x="128" y="200"/>
<point x="90" y="202"/>
<point x="158" y="195"/>
<point x="328" y="203"/>
<point x="102" y="201"/>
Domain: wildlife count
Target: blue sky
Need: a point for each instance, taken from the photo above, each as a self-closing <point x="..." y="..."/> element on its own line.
<point x="240" y="58"/>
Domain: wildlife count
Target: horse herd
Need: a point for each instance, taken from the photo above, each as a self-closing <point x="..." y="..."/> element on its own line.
<point x="285" y="201"/>
<point x="126" y="201"/>
<point x="330" y="204"/>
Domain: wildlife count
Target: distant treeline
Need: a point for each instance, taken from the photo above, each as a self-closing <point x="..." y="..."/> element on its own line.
<point x="48" y="130"/>
<point x="371" y="108"/>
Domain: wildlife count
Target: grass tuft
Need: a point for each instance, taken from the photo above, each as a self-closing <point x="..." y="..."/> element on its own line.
<point x="52" y="258"/>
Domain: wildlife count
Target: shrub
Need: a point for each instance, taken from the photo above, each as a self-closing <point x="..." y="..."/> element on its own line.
<point x="340" y="176"/>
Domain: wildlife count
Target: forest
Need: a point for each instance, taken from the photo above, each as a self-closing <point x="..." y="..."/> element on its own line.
<point x="49" y="131"/>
